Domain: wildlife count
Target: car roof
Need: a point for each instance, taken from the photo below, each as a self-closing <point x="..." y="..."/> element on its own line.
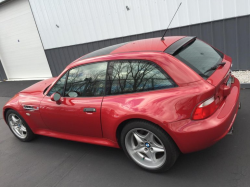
<point x="151" y="44"/>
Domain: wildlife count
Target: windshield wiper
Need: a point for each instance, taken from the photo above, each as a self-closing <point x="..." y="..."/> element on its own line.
<point x="215" y="67"/>
<point x="202" y="75"/>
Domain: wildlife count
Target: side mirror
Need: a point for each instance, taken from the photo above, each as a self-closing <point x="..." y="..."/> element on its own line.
<point x="55" y="97"/>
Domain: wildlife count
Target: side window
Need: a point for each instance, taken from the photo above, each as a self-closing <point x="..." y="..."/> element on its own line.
<point x="86" y="80"/>
<point x="59" y="86"/>
<point x="128" y="76"/>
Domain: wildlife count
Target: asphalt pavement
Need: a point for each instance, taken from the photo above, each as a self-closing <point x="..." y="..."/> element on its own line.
<point x="55" y="162"/>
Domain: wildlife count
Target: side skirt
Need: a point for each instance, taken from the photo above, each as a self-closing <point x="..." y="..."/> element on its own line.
<point x="77" y="138"/>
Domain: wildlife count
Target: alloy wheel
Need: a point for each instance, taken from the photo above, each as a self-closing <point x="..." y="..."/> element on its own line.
<point x="17" y="126"/>
<point x="145" y="148"/>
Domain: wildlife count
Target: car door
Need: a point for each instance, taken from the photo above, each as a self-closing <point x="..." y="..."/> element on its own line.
<point x="79" y="110"/>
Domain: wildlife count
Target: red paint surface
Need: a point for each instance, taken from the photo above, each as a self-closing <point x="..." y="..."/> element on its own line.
<point x="171" y="108"/>
<point x="68" y="116"/>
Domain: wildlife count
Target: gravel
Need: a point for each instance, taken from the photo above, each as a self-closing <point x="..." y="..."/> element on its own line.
<point x="243" y="76"/>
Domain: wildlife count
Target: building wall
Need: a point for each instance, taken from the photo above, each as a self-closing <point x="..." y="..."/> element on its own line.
<point x="228" y="35"/>
<point x="38" y="37"/>
<point x="64" y="23"/>
<point x="70" y="29"/>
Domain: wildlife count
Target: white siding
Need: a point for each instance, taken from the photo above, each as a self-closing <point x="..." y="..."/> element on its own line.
<point x="21" y="49"/>
<point x="82" y="21"/>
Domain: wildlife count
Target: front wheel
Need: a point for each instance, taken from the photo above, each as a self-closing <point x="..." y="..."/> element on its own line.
<point x="148" y="146"/>
<point x="19" y="127"/>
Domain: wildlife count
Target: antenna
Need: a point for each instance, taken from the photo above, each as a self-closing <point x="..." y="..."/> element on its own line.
<point x="162" y="38"/>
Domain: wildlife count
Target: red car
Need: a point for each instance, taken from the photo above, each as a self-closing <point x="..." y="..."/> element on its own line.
<point x="153" y="98"/>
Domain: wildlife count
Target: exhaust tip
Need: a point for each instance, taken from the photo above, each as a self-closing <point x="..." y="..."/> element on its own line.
<point x="239" y="105"/>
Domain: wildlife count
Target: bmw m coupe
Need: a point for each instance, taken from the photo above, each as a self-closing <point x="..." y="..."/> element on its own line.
<point x="153" y="98"/>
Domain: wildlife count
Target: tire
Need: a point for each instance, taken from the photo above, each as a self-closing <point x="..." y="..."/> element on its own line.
<point x="18" y="126"/>
<point x="149" y="146"/>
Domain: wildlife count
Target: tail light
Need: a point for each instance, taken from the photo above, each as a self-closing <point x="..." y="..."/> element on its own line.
<point x="205" y="109"/>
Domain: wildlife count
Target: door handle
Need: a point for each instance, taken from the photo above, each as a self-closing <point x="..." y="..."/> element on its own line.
<point x="89" y="110"/>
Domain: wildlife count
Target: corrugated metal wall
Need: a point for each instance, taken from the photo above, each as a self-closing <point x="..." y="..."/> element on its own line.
<point x="70" y="22"/>
<point x="229" y="35"/>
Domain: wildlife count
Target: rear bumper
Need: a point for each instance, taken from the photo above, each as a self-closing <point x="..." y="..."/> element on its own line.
<point x="191" y="135"/>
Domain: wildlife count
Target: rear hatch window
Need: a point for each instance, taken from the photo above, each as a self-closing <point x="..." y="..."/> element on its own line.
<point x="200" y="57"/>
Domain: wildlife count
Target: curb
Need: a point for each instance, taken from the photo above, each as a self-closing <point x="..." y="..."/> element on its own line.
<point x="245" y="85"/>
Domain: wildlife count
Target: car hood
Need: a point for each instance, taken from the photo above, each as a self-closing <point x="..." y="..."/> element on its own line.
<point x="38" y="88"/>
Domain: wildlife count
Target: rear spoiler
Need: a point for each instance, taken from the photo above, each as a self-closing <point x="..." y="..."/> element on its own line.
<point x="175" y="47"/>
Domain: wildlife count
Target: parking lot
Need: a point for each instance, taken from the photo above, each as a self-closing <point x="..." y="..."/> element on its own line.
<point x="55" y="162"/>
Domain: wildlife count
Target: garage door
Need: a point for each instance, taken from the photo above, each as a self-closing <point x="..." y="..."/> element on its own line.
<point x="21" y="50"/>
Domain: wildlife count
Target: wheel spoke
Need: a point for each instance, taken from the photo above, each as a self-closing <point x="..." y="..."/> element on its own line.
<point x="138" y="138"/>
<point x="17" y="130"/>
<point x="12" y="124"/>
<point x="23" y="129"/>
<point x="149" y="137"/>
<point x="151" y="155"/>
<point x="139" y="149"/>
<point x="14" y="119"/>
<point x="157" y="145"/>
<point x="157" y="149"/>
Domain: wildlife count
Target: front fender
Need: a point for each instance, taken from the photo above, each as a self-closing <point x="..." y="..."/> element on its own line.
<point x="13" y="104"/>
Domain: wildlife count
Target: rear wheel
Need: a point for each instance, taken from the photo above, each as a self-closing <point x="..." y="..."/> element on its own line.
<point x="19" y="127"/>
<point x="148" y="146"/>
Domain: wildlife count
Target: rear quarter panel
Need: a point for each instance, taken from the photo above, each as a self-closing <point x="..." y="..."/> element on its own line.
<point x="160" y="107"/>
